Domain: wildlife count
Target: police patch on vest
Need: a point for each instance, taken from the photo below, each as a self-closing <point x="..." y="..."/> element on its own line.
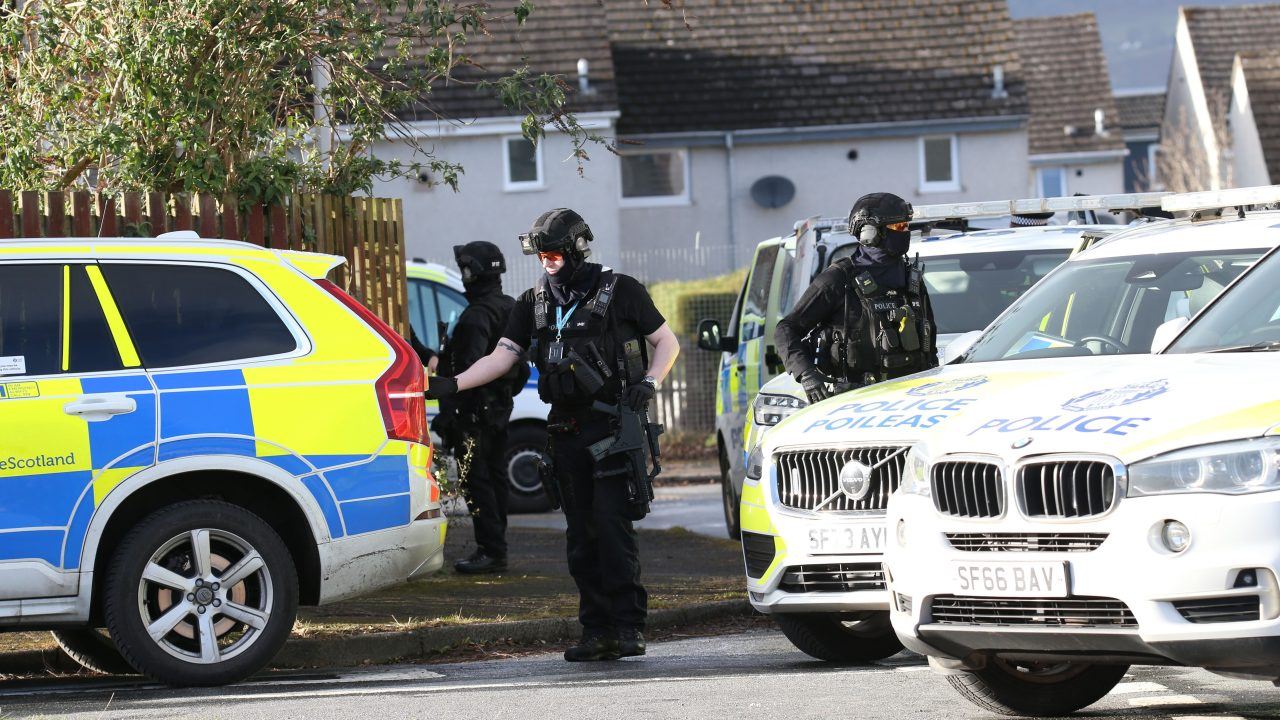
<point x="884" y="306"/>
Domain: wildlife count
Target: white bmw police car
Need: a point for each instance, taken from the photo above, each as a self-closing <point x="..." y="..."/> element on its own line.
<point x="1110" y="514"/>
<point x="818" y="484"/>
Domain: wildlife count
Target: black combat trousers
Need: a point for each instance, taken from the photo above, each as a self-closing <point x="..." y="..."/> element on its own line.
<point x="604" y="551"/>
<point x="486" y="488"/>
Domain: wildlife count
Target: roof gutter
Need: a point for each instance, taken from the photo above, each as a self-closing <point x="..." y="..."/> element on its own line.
<point x="507" y="125"/>
<point x="1086" y="157"/>
<point x="797" y="134"/>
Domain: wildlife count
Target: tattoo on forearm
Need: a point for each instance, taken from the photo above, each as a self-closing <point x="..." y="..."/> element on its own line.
<point x="510" y="347"/>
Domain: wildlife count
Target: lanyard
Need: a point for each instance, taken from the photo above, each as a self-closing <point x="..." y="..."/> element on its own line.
<point x="562" y="319"/>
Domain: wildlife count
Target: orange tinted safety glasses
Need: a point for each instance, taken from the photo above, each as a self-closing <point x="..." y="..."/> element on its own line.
<point x="897" y="227"/>
<point x="551" y="256"/>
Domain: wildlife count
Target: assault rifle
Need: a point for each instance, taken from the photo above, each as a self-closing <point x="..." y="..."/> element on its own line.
<point x="636" y="440"/>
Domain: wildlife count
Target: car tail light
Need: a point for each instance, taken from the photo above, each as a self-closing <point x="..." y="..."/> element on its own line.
<point x="399" y="390"/>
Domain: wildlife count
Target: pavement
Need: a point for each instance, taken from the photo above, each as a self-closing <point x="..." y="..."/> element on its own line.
<point x="755" y="673"/>
<point x="691" y="574"/>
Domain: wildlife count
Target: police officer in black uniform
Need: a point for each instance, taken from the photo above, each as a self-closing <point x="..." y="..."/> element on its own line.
<point x="473" y="424"/>
<point x="595" y="337"/>
<point x="867" y="317"/>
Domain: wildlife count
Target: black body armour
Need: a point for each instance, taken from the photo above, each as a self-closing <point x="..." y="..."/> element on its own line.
<point x="495" y="308"/>
<point x="886" y="332"/>
<point x="595" y="356"/>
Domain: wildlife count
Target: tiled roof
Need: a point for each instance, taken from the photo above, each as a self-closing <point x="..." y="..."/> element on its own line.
<point x="1218" y="33"/>
<point x="1067" y="80"/>
<point x="1262" y="76"/>
<point x="1138" y="111"/>
<point x="556" y="35"/>
<point x="741" y="64"/>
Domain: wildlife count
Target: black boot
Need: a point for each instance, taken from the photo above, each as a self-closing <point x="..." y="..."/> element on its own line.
<point x="480" y="563"/>
<point x="592" y="648"/>
<point x="630" y="643"/>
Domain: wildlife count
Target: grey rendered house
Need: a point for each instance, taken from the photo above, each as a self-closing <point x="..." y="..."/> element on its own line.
<point x="1075" y="141"/>
<point x="755" y="114"/>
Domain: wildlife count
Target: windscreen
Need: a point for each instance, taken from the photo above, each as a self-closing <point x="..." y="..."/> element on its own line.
<point x="969" y="290"/>
<point x="1109" y="305"/>
<point x="1247" y="318"/>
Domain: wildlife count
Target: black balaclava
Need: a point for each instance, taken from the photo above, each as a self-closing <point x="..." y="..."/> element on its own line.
<point x="481" y="264"/>
<point x="481" y="286"/>
<point x="574" y="280"/>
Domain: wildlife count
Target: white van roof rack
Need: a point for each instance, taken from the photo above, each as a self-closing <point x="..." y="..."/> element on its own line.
<point x="995" y="208"/>
<point x="1217" y="199"/>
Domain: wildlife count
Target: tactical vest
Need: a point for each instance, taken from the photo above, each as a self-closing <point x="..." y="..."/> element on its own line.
<point x="595" y="357"/>
<point x="886" y="332"/>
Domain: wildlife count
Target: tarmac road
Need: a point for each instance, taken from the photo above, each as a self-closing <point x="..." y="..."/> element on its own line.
<point x="753" y="674"/>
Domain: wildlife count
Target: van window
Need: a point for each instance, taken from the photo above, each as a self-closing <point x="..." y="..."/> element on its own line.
<point x="757" y="299"/>
<point x="422" y="313"/>
<point x="193" y="315"/>
<point x="450" y="304"/>
<point x="30" y="308"/>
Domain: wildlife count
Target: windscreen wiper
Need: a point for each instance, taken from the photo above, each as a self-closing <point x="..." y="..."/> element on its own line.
<point x="1269" y="346"/>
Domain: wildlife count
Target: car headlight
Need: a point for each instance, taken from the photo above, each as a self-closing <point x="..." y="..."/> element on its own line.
<point x="755" y="465"/>
<point x="770" y="410"/>
<point x="915" y="475"/>
<point x="1231" y="468"/>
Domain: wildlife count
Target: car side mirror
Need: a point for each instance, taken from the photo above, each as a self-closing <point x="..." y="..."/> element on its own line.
<point x="709" y="336"/>
<point x="773" y="360"/>
<point x="959" y="346"/>
<point x="1166" y="333"/>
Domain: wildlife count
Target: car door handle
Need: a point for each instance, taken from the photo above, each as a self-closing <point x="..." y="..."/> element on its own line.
<point x="97" y="409"/>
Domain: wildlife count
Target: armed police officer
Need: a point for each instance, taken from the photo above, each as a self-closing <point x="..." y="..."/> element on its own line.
<point x="473" y="424"/>
<point x="867" y="317"/>
<point x="601" y="348"/>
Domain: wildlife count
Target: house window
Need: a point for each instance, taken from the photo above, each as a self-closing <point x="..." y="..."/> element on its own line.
<point x="660" y="177"/>
<point x="938" y="164"/>
<point x="1051" y="182"/>
<point x="521" y="164"/>
<point x="1153" y="177"/>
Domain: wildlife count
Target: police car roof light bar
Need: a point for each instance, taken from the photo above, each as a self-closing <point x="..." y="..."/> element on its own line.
<point x="994" y="208"/>
<point x="1217" y="199"/>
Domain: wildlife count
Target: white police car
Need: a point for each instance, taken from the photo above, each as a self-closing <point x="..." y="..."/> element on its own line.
<point x="972" y="276"/>
<point x="436" y="301"/>
<point x="1113" y="513"/>
<point x="813" y="505"/>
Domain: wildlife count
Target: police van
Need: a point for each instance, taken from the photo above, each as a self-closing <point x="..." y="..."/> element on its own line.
<point x="818" y="483"/>
<point x="1106" y="513"/>
<point x="972" y="276"/>
<point x="197" y="436"/>
<point x="436" y="301"/>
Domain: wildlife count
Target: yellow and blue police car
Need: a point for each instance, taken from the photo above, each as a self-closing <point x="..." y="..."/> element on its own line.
<point x="197" y="436"/>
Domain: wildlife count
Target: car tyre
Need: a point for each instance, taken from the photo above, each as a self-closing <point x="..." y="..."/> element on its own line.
<point x="92" y="650"/>
<point x="525" y="445"/>
<point x="730" y="499"/>
<point x="841" y="637"/>
<point x="200" y="593"/>
<point x="1036" y="689"/>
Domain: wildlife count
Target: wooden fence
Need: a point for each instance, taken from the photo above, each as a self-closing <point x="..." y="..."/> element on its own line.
<point x="368" y="232"/>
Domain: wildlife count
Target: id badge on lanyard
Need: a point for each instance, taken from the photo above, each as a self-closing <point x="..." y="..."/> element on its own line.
<point x="555" y="351"/>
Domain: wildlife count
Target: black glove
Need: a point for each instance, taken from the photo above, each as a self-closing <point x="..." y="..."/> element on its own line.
<point x="815" y="385"/>
<point x="639" y="395"/>
<point x="440" y="387"/>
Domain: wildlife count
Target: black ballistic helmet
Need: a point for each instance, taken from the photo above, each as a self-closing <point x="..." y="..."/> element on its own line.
<point x="479" y="259"/>
<point x="561" y="230"/>
<point x="872" y="212"/>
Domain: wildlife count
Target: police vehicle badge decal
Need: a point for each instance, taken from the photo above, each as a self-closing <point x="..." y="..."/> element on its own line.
<point x="1116" y="397"/>
<point x="945" y="386"/>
